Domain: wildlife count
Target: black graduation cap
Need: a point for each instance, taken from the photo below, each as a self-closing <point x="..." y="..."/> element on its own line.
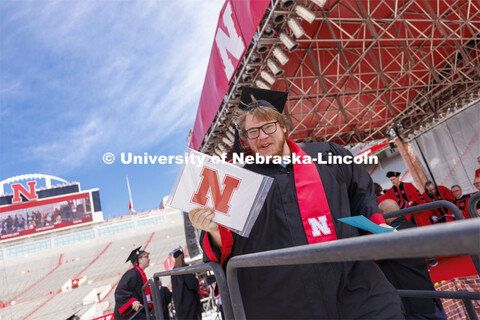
<point x="134" y="254"/>
<point x="393" y="174"/>
<point x="178" y="252"/>
<point x="264" y="97"/>
<point x="73" y="317"/>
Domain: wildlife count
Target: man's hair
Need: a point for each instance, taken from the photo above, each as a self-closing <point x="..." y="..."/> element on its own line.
<point x="456" y="186"/>
<point x="261" y="113"/>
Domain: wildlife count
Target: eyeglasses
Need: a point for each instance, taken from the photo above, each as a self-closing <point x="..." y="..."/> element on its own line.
<point x="267" y="128"/>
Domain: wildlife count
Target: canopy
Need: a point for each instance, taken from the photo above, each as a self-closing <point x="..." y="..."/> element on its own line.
<point x="361" y="70"/>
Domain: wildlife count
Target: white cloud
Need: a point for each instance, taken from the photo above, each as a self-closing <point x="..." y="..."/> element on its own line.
<point x="131" y="71"/>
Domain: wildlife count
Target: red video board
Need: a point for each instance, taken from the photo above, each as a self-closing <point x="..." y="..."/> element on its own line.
<point x="45" y="214"/>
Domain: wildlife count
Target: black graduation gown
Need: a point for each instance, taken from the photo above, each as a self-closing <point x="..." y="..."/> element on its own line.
<point x="166" y="298"/>
<point x="128" y="290"/>
<point x="410" y="274"/>
<point x="313" y="291"/>
<point x="186" y="297"/>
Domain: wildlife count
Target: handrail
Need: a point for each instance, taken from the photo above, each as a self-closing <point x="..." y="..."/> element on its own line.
<point x="466" y="296"/>
<point x="472" y="205"/>
<point x="458" y="237"/>
<point x="219" y="276"/>
<point x="427" y="206"/>
<point x="433" y="205"/>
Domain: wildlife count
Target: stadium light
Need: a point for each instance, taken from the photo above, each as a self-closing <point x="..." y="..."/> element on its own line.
<point x="262" y="85"/>
<point x="276" y="70"/>
<point x="319" y="3"/>
<point x="261" y="48"/>
<point x="288" y="41"/>
<point x="305" y="13"/>
<point x="278" y="18"/>
<point x="247" y="77"/>
<point x="267" y="77"/>
<point x="255" y="58"/>
<point x="296" y="28"/>
<point x="281" y="57"/>
<point x="286" y="3"/>
<point x="250" y="69"/>
<point x="268" y="31"/>
<point x="230" y="135"/>
<point x="227" y="141"/>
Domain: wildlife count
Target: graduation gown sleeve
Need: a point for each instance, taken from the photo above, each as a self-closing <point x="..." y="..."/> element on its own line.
<point x="128" y="291"/>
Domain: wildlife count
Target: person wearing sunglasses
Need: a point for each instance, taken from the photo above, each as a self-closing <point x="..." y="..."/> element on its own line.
<point x="302" y="207"/>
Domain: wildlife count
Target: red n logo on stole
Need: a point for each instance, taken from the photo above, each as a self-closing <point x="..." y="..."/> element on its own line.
<point x="18" y="188"/>
<point x="210" y="182"/>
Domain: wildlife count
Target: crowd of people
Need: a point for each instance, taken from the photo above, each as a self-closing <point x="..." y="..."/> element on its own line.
<point x="25" y="219"/>
<point x="407" y="195"/>
<point x="183" y="302"/>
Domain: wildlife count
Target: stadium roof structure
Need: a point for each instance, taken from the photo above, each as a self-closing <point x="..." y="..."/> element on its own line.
<point x="355" y="69"/>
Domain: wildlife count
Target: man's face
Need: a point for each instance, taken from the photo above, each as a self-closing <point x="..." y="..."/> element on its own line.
<point x="266" y="144"/>
<point x="395" y="181"/>
<point x="476" y="183"/>
<point x="457" y="192"/>
<point x="144" y="261"/>
<point x="430" y="189"/>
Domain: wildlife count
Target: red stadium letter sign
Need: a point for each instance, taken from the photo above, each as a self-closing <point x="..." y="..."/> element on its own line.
<point x="221" y="199"/>
<point x="230" y="46"/>
<point x="18" y="188"/>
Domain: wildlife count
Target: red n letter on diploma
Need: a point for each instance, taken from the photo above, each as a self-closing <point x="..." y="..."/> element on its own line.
<point x="210" y="182"/>
<point x="30" y="195"/>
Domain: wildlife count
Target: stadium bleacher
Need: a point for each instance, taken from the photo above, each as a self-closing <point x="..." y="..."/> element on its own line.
<point x="32" y="283"/>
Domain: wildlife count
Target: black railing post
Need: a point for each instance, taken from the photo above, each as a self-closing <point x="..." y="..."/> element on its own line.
<point x="472" y="205"/>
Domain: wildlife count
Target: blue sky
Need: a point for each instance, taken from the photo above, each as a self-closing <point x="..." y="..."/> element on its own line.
<point x="82" y="78"/>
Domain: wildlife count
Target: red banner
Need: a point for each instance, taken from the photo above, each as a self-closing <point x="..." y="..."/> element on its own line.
<point x="236" y="26"/>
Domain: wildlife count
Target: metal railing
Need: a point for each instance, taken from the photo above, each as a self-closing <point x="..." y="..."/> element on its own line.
<point x="434" y="205"/>
<point x="472" y="205"/>
<point x="210" y="266"/>
<point x="425" y="207"/>
<point x="465" y="296"/>
<point x="458" y="237"/>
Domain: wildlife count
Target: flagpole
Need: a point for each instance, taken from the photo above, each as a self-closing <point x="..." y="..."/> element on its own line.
<point x="130" y="204"/>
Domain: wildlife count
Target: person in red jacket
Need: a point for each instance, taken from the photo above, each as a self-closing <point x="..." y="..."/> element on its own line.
<point x="461" y="200"/>
<point x="406" y="196"/>
<point x="436" y="193"/>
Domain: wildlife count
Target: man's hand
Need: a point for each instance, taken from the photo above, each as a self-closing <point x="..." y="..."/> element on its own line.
<point x="136" y="305"/>
<point x="201" y="218"/>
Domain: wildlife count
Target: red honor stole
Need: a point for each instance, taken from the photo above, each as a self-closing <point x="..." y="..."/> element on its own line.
<point x="148" y="291"/>
<point x="312" y="202"/>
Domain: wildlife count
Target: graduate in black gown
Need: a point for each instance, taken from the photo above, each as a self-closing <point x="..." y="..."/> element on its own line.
<point x="410" y="274"/>
<point x="302" y="207"/>
<point x="128" y="295"/>
<point x="185" y="292"/>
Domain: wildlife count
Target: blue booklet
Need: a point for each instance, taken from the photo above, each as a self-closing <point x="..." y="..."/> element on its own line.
<point x="362" y="222"/>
